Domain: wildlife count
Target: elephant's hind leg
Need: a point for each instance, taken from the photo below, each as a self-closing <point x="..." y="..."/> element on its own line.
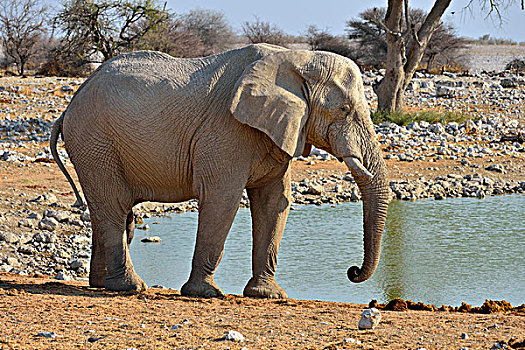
<point x="269" y="206"/>
<point x="120" y="274"/>
<point x="110" y="202"/>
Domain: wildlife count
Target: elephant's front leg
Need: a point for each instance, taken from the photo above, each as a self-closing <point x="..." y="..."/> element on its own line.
<point x="216" y="214"/>
<point x="269" y="206"/>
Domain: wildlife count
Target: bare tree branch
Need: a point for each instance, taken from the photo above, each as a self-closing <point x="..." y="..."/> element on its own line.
<point x="22" y="26"/>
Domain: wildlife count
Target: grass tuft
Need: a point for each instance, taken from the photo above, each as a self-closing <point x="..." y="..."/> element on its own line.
<point x="405" y="118"/>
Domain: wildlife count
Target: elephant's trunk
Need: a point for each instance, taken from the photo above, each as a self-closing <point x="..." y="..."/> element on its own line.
<point x="375" y="195"/>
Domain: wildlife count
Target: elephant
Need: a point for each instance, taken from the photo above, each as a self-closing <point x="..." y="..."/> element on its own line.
<point x="146" y="126"/>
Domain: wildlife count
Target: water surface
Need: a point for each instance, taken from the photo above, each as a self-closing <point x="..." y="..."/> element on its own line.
<point x="438" y="252"/>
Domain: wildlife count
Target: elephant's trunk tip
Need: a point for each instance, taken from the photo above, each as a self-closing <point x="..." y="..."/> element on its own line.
<point x="354" y="275"/>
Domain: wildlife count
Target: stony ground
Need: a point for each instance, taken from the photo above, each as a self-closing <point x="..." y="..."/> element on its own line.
<point x="40" y="313"/>
<point x="44" y="241"/>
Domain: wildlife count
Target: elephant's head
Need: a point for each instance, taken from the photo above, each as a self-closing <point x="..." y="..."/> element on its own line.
<point x="302" y="98"/>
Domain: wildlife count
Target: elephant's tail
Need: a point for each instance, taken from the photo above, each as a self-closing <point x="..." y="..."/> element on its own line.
<point x="55" y="132"/>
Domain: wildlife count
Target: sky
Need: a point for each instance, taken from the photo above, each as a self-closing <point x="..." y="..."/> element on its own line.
<point x="294" y="16"/>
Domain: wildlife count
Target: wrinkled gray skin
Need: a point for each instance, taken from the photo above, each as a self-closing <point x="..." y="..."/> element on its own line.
<point x="149" y="127"/>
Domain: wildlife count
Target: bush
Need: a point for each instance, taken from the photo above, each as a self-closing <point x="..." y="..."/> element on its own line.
<point x="211" y="28"/>
<point x="516" y="64"/>
<point x="61" y="65"/>
<point x="265" y="32"/>
<point x="321" y="40"/>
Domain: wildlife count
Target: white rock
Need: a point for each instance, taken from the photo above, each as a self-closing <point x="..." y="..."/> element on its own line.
<point x="5" y="268"/>
<point x="44" y="237"/>
<point x="62" y="276"/>
<point x="26" y="223"/>
<point x="234" y="336"/>
<point x="79" y="263"/>
<point x="62" y="216"/>
<point x="369" y="319"/>
<point x="352" y="340"/>
<point x="12" y="261"/>
<point x="48" y="198"/>
<point x="445" y="91"/>
<point x="85" y="216"/>
<point x="151" y="239"/>
<point x="8" y="237"/>
<point x="46" y="334"/>
<point x="48" y="223"/>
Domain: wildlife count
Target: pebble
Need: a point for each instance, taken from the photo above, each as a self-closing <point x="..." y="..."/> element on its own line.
<point x="26" y="223"/>
<point x="79" y="263"/>
<point x="44" y="237"/>
<point x="46" y="199"/>
<point x="8" y="237"/>
<point x="352" y="340"/>
<point x="62" y="276"/>
<point x="234" y="336"/>
<point x="48" y="223"/>
<point x="46" y="334"/>
<point x="464" y="336"/>
<point x="369" y="319"/>
<point x="93" y="339"/>
<point x="85" y="216"/>
<point x="151" y="239"/>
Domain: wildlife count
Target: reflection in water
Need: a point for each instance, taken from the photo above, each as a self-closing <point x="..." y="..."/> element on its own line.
<point x="438" y="252"/>
<point x="393" y="263"/>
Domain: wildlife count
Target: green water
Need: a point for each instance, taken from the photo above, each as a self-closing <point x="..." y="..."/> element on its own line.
<point x="438" y="252"/>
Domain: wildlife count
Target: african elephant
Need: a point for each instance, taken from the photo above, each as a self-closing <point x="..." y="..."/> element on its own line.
<point x="149" y="127"/>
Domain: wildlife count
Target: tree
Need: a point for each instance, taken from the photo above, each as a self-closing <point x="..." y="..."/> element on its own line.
<point x="172" y="38"/>
<point x="22" y="27"/>
<point x="444" y="47"/>
<point x="106" y="27"/>
<point x="402" y="59"/>
<point x="211" y="27"/>
<point x="370" y="36"/>
<point x="264" y="32"/>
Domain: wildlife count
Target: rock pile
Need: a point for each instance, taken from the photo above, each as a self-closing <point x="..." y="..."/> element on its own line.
<point x="39" y="250"/>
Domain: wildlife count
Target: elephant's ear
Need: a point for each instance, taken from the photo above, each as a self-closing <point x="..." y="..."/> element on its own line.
<point x="270" y="97"/>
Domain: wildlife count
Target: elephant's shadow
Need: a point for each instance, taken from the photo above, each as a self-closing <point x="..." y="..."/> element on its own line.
<point x="14" y="286"/>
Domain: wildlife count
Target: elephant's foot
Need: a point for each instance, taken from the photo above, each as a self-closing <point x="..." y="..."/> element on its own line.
<point x="97" y="276"/>
<point x="97" y="280"/>
<point x="128" y="281"/>
<point x="264" y="288"/>
<point x="200" y="288"/>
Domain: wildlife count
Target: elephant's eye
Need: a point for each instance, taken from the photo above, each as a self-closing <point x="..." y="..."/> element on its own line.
<point x="345" y="109"/>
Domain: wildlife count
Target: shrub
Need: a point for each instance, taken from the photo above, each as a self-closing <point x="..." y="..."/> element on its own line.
<point x="516" y="64"/>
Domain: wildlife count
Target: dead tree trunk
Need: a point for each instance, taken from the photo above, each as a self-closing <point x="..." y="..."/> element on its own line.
<point x="402" y="60"/>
